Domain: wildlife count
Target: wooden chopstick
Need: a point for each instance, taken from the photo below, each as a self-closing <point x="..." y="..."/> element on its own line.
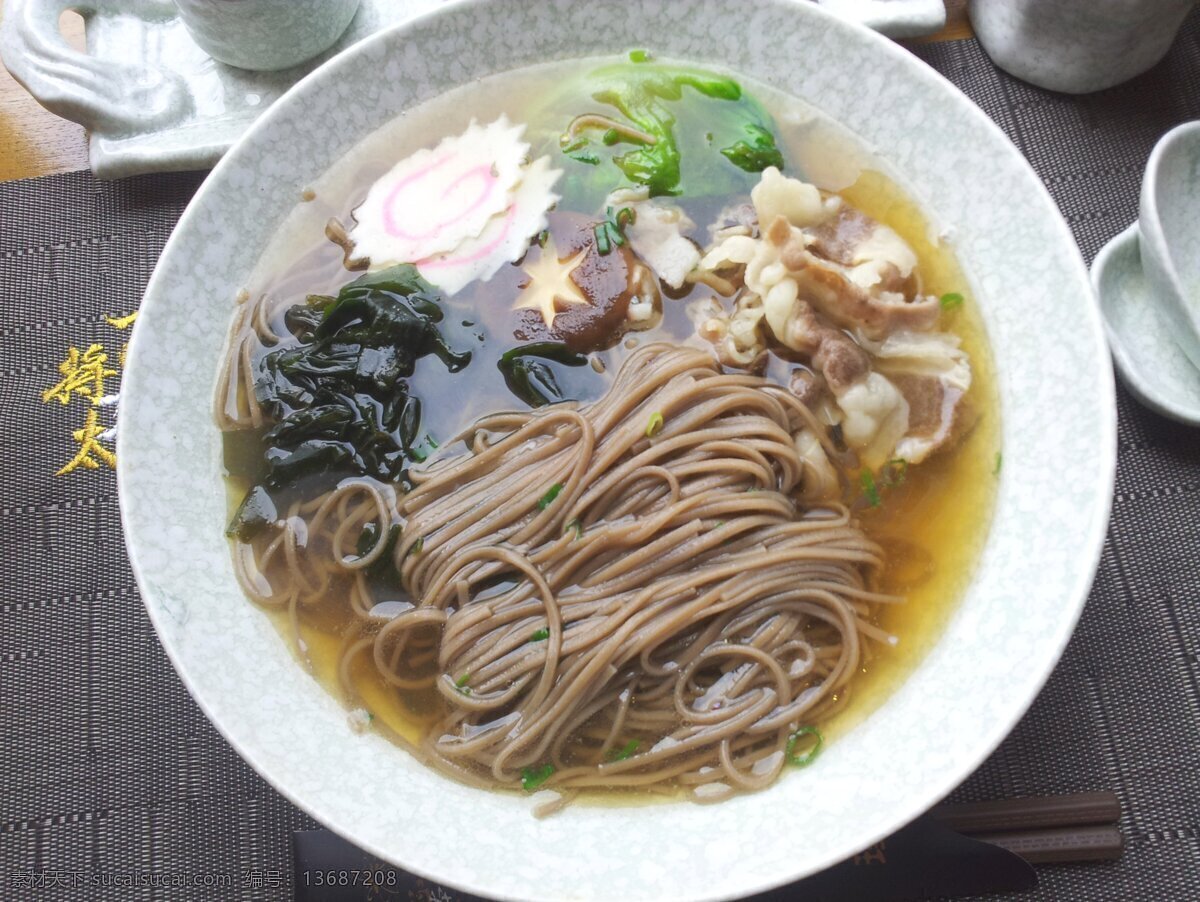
<point x="1057" y="829"/>
<point x="1036" y="812"/>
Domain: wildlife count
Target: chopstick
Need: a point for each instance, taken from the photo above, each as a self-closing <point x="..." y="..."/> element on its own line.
<point x="1065" y="845"/>
<point x="1075" y="810"/>
<point x="1056" y="829"/>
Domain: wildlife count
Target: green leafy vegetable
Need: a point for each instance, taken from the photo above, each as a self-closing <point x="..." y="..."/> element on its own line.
<point x="809" y="755"/>
<point x="546" y="500"/>
<point x="626" y="751"/>
<point x="870" y="489"/>
<point x="648" y="148"/>
<point x="540" y="636"/>
<point x="755" y="154"/>
<point x="533" y="777"/>
<point x="584" y="156"/>
<point x="951" y="300"/>
<point x="528" y="374"/>
<point x="655" y="426"/>
<point x="339" y="399"/>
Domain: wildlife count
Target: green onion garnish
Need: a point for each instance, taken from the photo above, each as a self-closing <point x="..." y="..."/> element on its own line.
<point x="999" y="461"/>
<point x="540" y="636"/>
<point x="576" y="527"/>
<point x="951" y="301"/>
<point x="655" y="425"/>
<point x="546" y="500"/>
<point x="462" y="680"/>
<point x="639" y="56"/>
<point x="533" y="777"/>
<point x="870" y="490"/>
<point x="610" y="137"/>
<point x="804" y="759"/>
<point x="626" y="751"/>
<point x="431" y="441"/>
<point x="417" y="546"/>
<point x="603" y="246"/>
<point x="610" y="234"/>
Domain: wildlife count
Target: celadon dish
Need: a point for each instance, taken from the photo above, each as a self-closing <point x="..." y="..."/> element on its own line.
<point x="995" y="653"/>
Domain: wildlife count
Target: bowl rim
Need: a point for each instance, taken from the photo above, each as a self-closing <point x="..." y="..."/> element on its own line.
<point x="1018" y="703"/>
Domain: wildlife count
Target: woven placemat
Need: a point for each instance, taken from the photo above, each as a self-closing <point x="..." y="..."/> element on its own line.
<point x="115" y="786"/>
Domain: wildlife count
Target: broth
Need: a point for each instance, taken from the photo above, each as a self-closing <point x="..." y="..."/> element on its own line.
<point x="933" y="524"/>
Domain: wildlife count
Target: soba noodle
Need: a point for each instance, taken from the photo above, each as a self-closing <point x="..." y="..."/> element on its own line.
<point x="623" y="594"/>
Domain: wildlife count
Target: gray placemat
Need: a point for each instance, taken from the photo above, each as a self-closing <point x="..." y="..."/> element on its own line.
<point x="115" y="786"/>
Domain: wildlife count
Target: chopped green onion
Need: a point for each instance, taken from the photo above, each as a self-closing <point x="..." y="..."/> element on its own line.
<point x="870" y="490"/>
<point x="417" y="546"/>
<point x="462" y="680"/>
<point x="808" y="757"/>
<point x="999" y="461"/>
<point x="431" y="441"/>
<point x="542" y="237"/>
<point x="540" y="636"/>
<point x="951" y="301"/>
<point x="626" y="751"/>
<point x="603" y="246"/>
<point x="546" y="500"/>
<point x="639" y="56"/>
<point x="655" y="425"/>
<point x="625" y="216"/>
<point x="533" y="777"/>
<point x="611" y="137"/>
<point x="576" y="527"/>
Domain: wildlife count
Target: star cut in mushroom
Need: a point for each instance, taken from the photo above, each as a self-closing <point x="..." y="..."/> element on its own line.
<point x="549" y="281"/>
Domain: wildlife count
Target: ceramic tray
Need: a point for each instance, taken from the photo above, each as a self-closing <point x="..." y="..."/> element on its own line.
<point x="155" y="102"/>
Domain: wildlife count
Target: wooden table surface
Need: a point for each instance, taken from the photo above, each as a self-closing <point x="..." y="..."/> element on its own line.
<point x="33" y="141"/>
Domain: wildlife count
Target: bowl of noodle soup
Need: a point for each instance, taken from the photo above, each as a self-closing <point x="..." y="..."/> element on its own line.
<point x="559" y="431"/>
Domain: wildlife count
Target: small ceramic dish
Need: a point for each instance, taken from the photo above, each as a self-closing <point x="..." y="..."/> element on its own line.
<point x="1052" y="372"/>
<point x="1151" y="362"/>
<point x="1147" y="280"/>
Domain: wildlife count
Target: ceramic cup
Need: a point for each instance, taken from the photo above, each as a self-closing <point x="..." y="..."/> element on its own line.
<point x="266" y="34"/>
<point x="1077" y="46"/>
<point x="1169" y="219"/>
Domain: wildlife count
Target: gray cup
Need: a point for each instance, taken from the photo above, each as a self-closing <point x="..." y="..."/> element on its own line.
<point x="1169" y="219"/>
<point x="1077" y="46"/>
<point x="266" y="34"/>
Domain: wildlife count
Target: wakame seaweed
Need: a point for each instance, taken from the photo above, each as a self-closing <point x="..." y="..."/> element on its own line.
<point x="528" y="374"/>
<point x="339" y="400"/>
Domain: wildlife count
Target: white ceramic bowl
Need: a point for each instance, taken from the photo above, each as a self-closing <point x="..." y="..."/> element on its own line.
<point x="1058" y="438"/>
